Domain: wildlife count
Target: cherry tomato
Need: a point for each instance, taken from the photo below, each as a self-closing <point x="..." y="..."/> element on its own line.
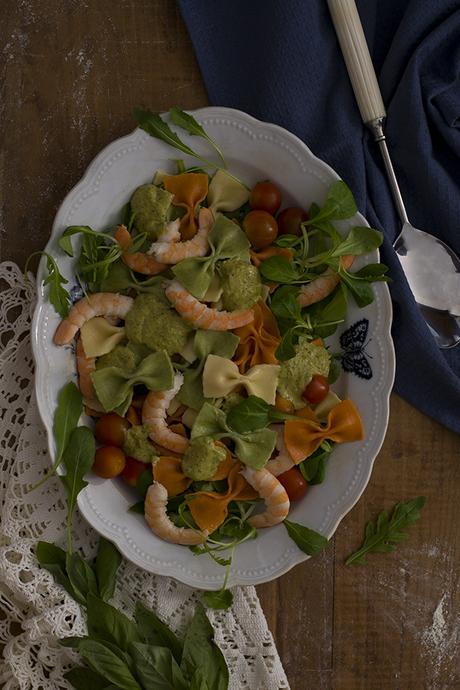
<point x="294" y="483"/>
<point x="283" y="404"/>
<point x="289" y="220"/>
<point x="132" y="471"/>
<point x="111" y="429"/>
<point x="109" y="462"/>
<point x="265" y="197"/>
<point x="316" y="390"/>
<point x="261" y="228"/>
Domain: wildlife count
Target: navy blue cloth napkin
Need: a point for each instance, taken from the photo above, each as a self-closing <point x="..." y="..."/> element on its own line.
<point x="280" y="61"/>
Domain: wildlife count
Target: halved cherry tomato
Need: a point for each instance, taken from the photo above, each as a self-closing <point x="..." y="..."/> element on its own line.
<point x="316" y="390"/>
<point x="111" y="429"/>
<point x="261" y="228"/>
<point x="132" y="471"/>
<point x="294" y="483"/>
<point x="289" y="220"/>
<point x="266" y="197"/>
<point x="109" y="462"/>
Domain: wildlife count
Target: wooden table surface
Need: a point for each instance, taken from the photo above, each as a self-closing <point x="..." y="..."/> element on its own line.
<point x="71" y="72"/>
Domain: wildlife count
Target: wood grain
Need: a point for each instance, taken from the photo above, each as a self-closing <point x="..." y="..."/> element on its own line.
<point x="71" y="72"/>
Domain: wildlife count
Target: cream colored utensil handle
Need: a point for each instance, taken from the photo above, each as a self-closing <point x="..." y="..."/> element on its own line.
<point x="357" y="59"/>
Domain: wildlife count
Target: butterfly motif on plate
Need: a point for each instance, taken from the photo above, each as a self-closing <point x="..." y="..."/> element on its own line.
<point x="354" y="357"/>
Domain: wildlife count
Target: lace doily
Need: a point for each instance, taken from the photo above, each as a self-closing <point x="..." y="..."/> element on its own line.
<point x="34" y="611"/>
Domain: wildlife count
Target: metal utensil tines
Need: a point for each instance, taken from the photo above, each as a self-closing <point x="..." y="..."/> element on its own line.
<point x="432" y="268"/>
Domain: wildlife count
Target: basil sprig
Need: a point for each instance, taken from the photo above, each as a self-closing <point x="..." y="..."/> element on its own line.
<point x="254" y="413"/>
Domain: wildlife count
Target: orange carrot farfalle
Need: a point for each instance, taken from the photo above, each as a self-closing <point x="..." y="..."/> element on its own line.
<point x="189" y="190"/>
<point x="258" y="340"/>
<point x="304" y="436"/>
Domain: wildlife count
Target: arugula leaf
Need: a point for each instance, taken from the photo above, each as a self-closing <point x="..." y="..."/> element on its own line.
<point x="108" y="624"/>
<point x="65" y="242"/>
<point x="83" y="678"/>
<point x="157" y="668"/>
<point x="81" y="576"/>
<point x="153" y="124"/>
<point x="221" y="599"/>
<point x="105" y="662"/>
<point x="155" y="632"/>
<point x="53" y="559"/>
<point x="78" y="458"/>
<point x="382" y="536"/>
<point x="68" y="411"/>
<point x="200" y="651"/>
<point x="278" y="269"/>
<point x="360" y="240"/>
<point x="308" y="541"/>
<point x="58" y="296"/>
<point x="108" y="561"/>
<point x="187" y="122"/>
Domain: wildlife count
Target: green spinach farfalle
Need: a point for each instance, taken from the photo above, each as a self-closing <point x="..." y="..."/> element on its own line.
<point x="114" y="386"/>
<point x="226" y="241"/>
<point x="253" y="448"/>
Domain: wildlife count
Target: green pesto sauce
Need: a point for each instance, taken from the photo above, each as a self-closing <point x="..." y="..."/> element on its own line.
<point x="297" y="372"/>
<point x="137" y="444"/>
<point x="152" y="321"/>
<point x="120" y="356"/>
<point x="150" y="205"/>
<point x="241" y="284"/>
<point x="201" y="459"/>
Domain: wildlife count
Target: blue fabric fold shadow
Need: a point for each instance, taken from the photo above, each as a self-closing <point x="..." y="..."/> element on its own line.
<point x="279" y="60"/>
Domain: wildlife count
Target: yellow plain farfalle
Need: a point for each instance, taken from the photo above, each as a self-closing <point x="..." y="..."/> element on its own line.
<point x="226" y="193"/>
<point x="221" y="376"/>
<point x="99" y="337"/>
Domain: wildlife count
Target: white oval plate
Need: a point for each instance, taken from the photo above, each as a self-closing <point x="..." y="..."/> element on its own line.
<point x="255" y="151"/>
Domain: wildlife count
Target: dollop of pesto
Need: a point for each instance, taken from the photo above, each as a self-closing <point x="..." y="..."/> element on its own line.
<point x="150" y="205"/>
<point x="121" y="356"/>
<point x="201" y="459"/>
<point x="241" y="284"/>
<point x="138" y="446"/>
<point x="296" y="373"/>
<point x="152" y="321"/>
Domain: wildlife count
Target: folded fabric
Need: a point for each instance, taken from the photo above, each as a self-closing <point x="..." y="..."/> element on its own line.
<point x="282" y="63"/>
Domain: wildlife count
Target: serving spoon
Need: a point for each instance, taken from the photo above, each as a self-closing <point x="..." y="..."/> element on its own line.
<point x="432" y="268"/>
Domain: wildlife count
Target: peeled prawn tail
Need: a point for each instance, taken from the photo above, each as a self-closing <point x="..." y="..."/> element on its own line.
<point x="154" y="412"/>
<point x="274" y="494"/>
<point x="283" y="461"/>
<point x="169" y="250"/>
<point x="137" y="261"/>
<point x="97" y="304"/>
<point x="157" y="519"/>
<point x="324" y="284"/>
<point x="200" y="316"/>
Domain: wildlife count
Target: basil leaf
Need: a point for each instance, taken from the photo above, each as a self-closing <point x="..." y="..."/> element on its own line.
<point x="110" y="625"/>
<point x="383" y="536"/>
<point x="78" y="459"/>
<point x="285" y="349"/>
<point x="201" y="652"/>
<point x="108" y="664"/>
<point x="284" y="303"/>
<point x="158" y="128"/>
<point x="187" y="122"/>
<point x="313" y="468"/>
<point x="308" y="541"/>
<point x="360" y="240"/>
<point x="340" y="204"/>
<point x="287" y="240"/>
<point x="334" y="371"/>
<point x="362" y="292"/>
<point x="222" y="599"/>
<point x="372" y="272"/>
<point x="155" y="632"/>
<point x="249" y="415"/>
<point x="278" y="269"/>
<point x="157" y="668"/>
<point x="72" y="642"/>
<point x="81" y="576"/>
<point x="53" y="559"/>
<point x="83" y="678"/>
<point x="108" y="561"/>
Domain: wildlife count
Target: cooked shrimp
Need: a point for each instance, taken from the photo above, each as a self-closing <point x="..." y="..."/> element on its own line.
<point x="274" y="494"/>
<point x="322" y="286"/>
<point x="137" y="261"/>
<point x="85" y="367"/>
<point x="159" y="522"/>
<point x="98" y="304"/>
<point x="154" y="412"/>
<point x="283" y="461"/>
<point x="169" y="250"/>
<point x="199" y="315"/>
